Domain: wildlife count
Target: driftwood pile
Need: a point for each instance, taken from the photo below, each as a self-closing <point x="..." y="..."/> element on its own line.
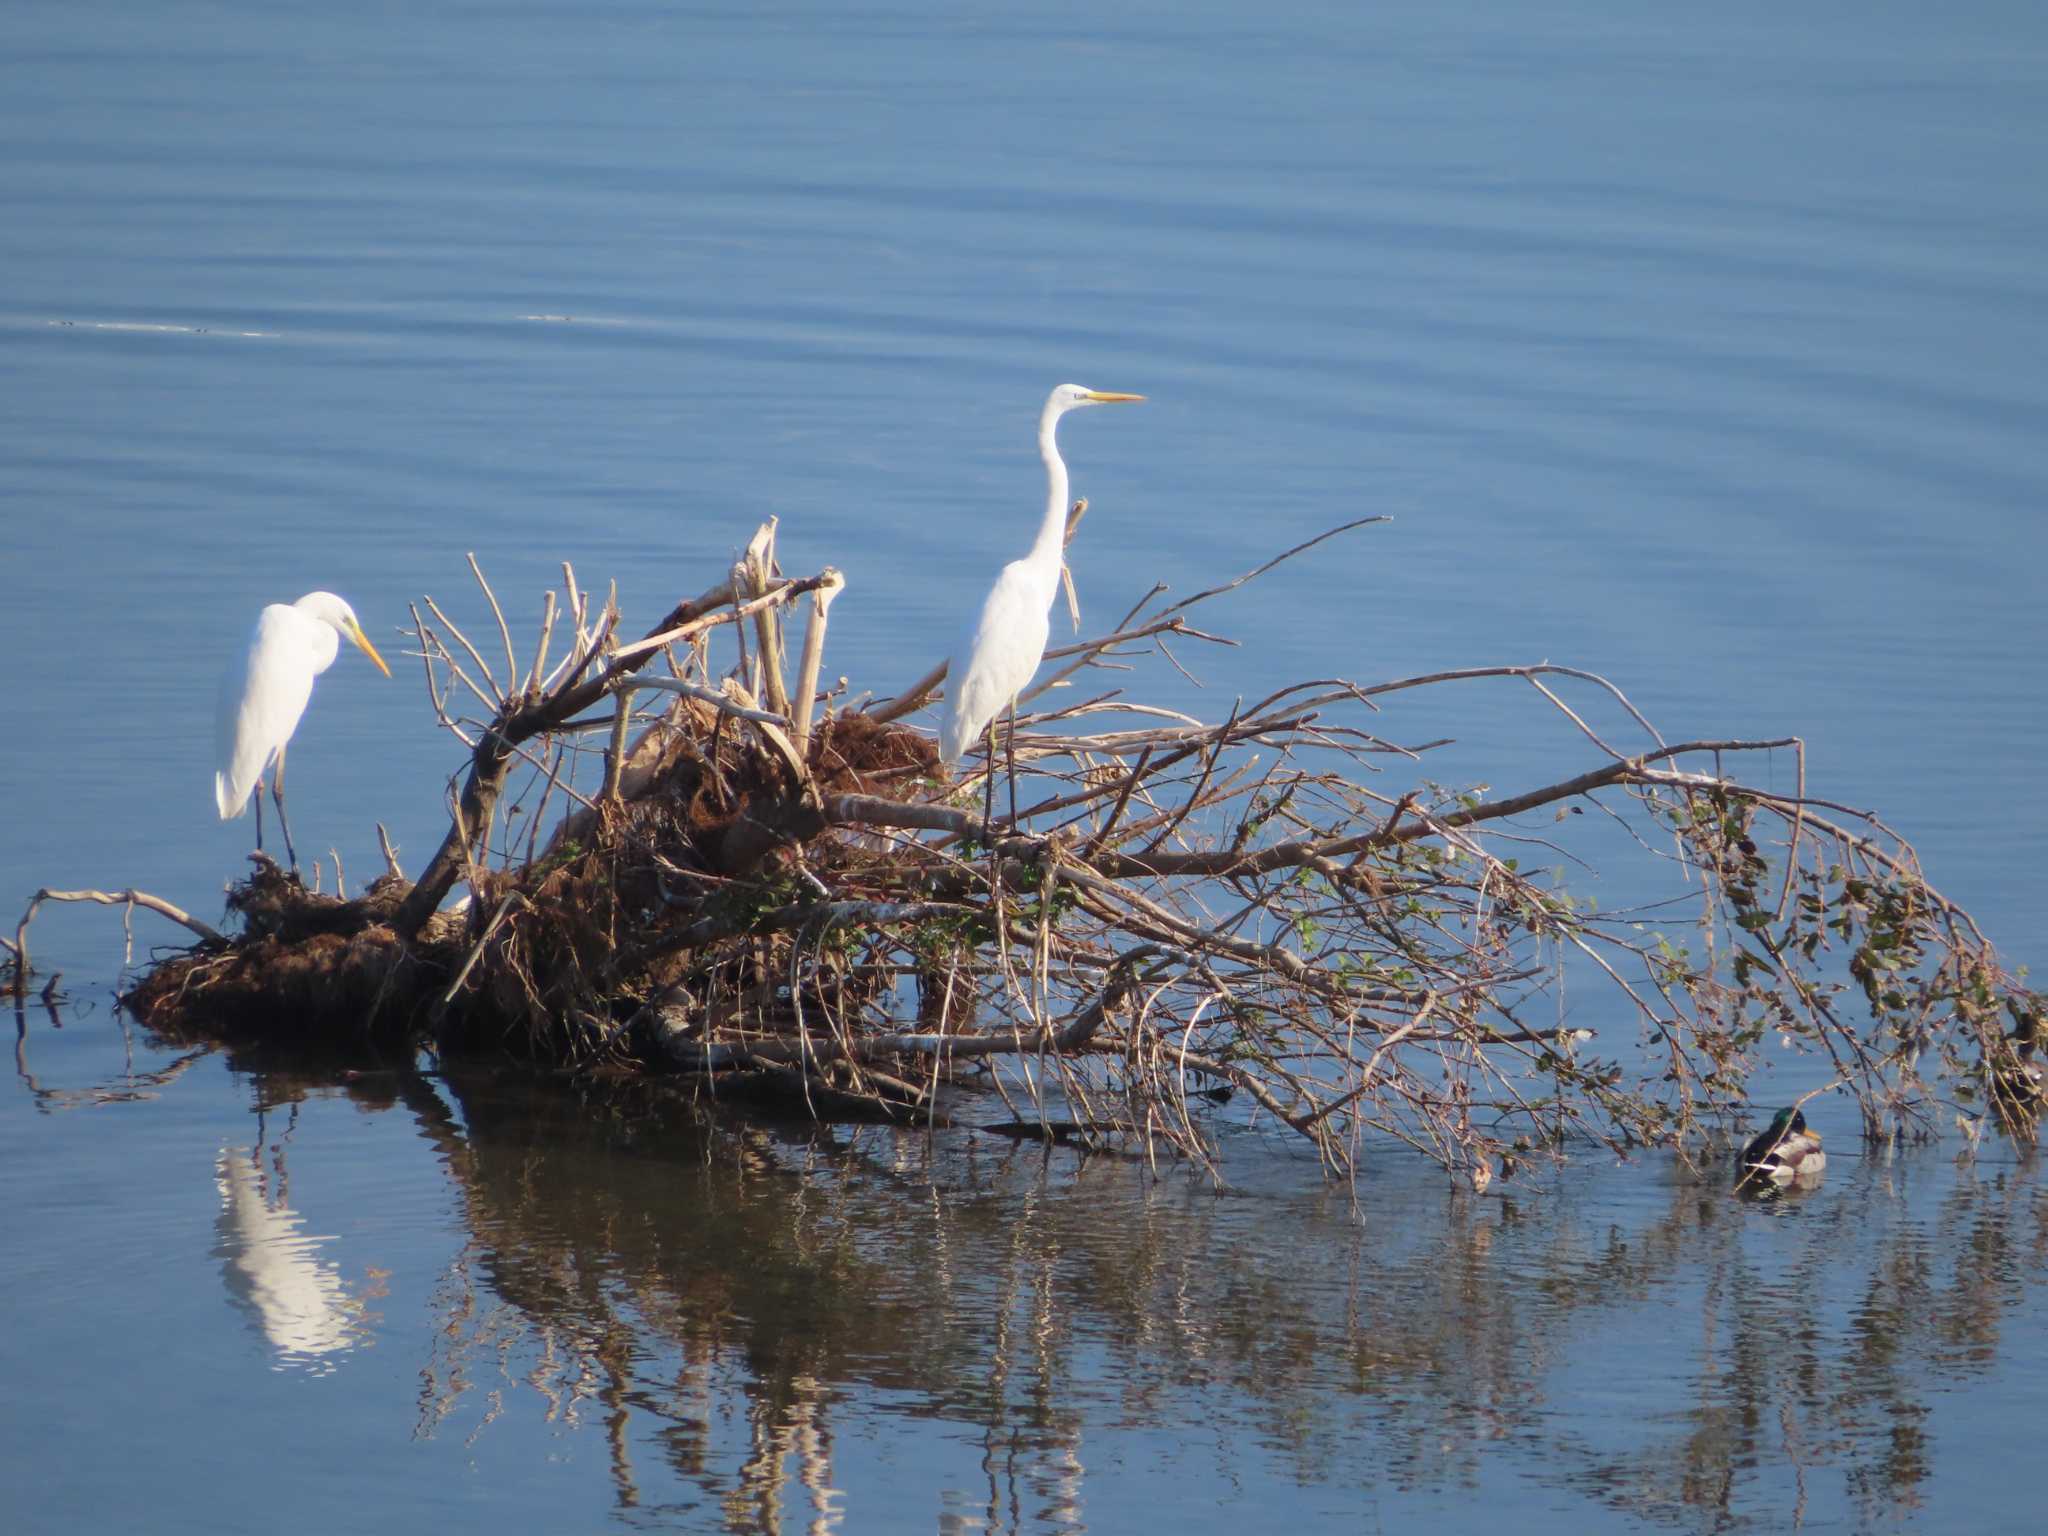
<point x="675" y="857"/>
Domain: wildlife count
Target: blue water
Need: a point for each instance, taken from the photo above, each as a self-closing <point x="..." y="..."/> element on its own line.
<point x="462" y="1299"/>
<point x="1702" y="351"/>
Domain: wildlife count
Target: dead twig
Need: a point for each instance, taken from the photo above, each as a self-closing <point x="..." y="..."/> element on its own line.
<point x="130" y="899"/>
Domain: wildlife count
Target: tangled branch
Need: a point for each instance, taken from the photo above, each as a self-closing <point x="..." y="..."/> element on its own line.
<point x="743" y="881"/>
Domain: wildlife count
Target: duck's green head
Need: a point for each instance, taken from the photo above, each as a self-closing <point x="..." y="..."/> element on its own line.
<point x="1789" y="1121"/>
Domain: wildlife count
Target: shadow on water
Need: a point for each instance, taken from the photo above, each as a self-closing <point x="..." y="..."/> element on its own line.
<point x="803" y="1327"/>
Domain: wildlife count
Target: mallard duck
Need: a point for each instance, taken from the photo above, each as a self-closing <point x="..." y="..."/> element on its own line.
<point x="1786" y="1153"/>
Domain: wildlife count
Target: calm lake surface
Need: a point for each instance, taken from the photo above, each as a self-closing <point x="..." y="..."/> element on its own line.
<point x="1704" y="351"/>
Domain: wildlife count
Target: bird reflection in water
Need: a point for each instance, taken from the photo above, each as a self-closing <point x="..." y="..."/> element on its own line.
<point x="275" y="1273"/>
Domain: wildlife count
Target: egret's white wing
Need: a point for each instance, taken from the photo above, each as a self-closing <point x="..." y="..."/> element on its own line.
<point x="262" y="696"/>
<point x="995" y="658"/>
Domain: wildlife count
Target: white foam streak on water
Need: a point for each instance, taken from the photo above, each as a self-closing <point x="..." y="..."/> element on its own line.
<point x="137" y="325"/>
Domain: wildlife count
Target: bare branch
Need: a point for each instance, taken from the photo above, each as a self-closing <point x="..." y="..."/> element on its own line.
<point x="130" y="899"/>
<point x="814" y="651"/>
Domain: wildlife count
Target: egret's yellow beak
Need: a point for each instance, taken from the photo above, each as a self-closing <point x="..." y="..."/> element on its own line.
<point x="1110" y="397"/>
<point x="355" y="633"/>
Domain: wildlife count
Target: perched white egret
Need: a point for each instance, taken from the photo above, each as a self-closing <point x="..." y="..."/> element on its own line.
<point x="1000" y="650"/>
<point x="263" y="694"/>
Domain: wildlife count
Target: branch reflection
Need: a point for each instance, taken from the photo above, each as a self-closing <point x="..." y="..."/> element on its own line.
<point x="736" y="1302"/>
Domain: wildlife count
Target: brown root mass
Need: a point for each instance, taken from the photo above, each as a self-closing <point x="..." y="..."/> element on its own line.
<point x="569" y="945"/>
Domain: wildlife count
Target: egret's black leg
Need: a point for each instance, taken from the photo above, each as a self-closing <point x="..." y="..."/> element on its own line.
<point x="988" y="789"/>
<point x="257" y="799"/>
<point x="1010" y="747"/>
<point x="277" y="794"/>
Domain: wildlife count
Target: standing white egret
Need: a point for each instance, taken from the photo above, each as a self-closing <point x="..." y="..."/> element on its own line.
<point x="1000" y="650"/>
<point x="263" y="694"/>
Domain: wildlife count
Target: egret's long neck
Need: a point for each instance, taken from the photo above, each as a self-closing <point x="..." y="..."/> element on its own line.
<point x="323" y="634"/>
<point x="1052" y="533"/>
<point x="326" y="646"/>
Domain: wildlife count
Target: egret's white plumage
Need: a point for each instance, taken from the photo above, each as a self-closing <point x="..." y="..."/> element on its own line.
<point x="1002" y="646"/>
<point x="264" y="692"/>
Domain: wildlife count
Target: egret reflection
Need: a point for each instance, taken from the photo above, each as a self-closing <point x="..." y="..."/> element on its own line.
<point x="275" y="1273"/>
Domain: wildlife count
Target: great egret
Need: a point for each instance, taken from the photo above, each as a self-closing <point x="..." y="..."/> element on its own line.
<point x="263" y="694"/>
<point x="1000" y="650"/>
